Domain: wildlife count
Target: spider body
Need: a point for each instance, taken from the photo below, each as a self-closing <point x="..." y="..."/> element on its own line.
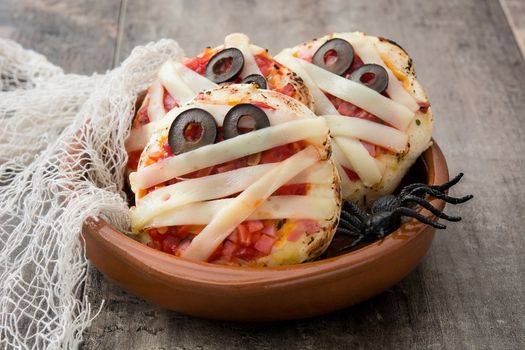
<point x="386" y="214"/>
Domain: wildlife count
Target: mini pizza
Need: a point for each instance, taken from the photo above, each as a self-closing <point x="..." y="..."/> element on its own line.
<point x="379" y="116"/>
<point x="236" y="61"/>
<point x="238" y="176"/>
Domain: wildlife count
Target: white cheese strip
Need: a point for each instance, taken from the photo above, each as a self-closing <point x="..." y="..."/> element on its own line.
<point x="219" y="111"/>
<point x="194" y="80"/>
<point x="362" y="162"/>
<point x="369" y="54"/>
<point x="346" y="184"/>
<point x="139" y="137"/>
<point x="228" y="218"/>
<point x="242" y="42"/>
<point x="212" y="187"/>
<point x="172" y="81"/>
<point x="369" y="131"/>
<point x="339" y="156"/>
<point x="371" y="101"/>
<point x="276" y="207"/>
<point x="315" y="130"/>
<point x="322" y="104"/>
<point x="156" y="110"/>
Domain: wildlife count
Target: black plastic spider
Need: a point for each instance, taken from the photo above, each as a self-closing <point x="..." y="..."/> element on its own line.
<point x="386" y="213"/>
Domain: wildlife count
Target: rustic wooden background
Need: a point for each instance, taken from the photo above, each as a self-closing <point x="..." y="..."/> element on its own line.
<point x="469" y="292"/>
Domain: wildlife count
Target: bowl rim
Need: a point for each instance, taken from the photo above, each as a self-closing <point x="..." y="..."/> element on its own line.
<point x="167" y="268"/>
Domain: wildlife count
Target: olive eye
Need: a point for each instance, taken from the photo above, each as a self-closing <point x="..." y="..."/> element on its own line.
<point x="225" y="65"/>
<point x="335" y="55"/>
<point x="244" y="110"/>
<point x="371" y="75"/>
<point x="257" y="79"/>
<point x="192" y="129"/>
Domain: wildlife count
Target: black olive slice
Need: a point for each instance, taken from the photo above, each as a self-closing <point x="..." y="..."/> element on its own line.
<point x="255" y="79"/>
<point x="335" y="55"/>
<point x="225" y="65"/>
<point x="195" y="117"/>
<point x="371" y="75"/>
<point x="230" y="127"/>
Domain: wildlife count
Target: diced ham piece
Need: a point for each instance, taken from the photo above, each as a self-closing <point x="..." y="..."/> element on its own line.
<point x="254" y="225"/>
<point x="303" y="226"/>
<point x="265" y="244"/>
<point x="269" y="230"/>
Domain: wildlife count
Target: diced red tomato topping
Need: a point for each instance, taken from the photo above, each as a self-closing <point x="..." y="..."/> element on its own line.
<point x="265" y="64"/>
<point x="371" y="148"/>
<point x="169" y="101"/>
<point x="169" y="244"/>
<point x="199" y="63"/>
<point x="156" y="235"/>
<point x="352" y="175"/>
<point x="292" y="190"/>
<point x="287" y="90"/>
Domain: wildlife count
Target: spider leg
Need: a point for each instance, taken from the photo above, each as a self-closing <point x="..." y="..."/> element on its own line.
<point x="347" y="232"/>
<point x="430" y="208"/>
<point x="354" y="210"/>
<point x="409" y="188"/>
<point x="440" y="195"/>
<point x="449" y="184"/>
<point x="348" y="224"/>
<point x="347" y="217"/>
<point x="414" y="214"/>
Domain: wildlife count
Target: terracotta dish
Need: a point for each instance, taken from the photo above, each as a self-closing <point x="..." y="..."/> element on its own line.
<point x="270" y="293"/>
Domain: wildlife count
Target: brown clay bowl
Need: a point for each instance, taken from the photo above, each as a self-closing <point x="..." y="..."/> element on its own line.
<point x="265" y="294"/>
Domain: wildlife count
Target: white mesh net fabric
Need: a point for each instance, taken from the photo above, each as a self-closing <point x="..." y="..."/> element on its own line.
<point x="62" y="160"/>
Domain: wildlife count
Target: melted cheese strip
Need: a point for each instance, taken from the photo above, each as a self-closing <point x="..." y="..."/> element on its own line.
<point x="156" y="110"/>
<point x="371" y="101"/>
<point x="276" y="207"/>
<point x="172" y="81"/>
<point x="139" y="137"/>
<point x="168" y="198"/>
<point x="237" y="211"/>
<point x="369" y="131"/>
<point x="362" y="162"/>
<point x="339" y="156"/>
<point x="242" y="42"/>
<point x="321" y="103"/>
<point x="256" y="141"/>
<point x="369" y="54"/>
<point x="194" y="80"/>
<point x="346" y="184"/>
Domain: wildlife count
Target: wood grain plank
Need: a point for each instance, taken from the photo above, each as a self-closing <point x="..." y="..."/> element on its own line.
<point x="468" y="291"/>
<point x="515" y="12"/>
<point x="79" y="36"/>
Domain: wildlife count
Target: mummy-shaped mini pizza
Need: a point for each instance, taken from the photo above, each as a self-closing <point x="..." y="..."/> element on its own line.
<point x="236" y="61"/>
<point x="239" y="176"/>
<point x="379" y="117"/>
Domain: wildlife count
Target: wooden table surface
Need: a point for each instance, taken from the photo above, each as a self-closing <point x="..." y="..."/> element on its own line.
<point x="469" y="291"/>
